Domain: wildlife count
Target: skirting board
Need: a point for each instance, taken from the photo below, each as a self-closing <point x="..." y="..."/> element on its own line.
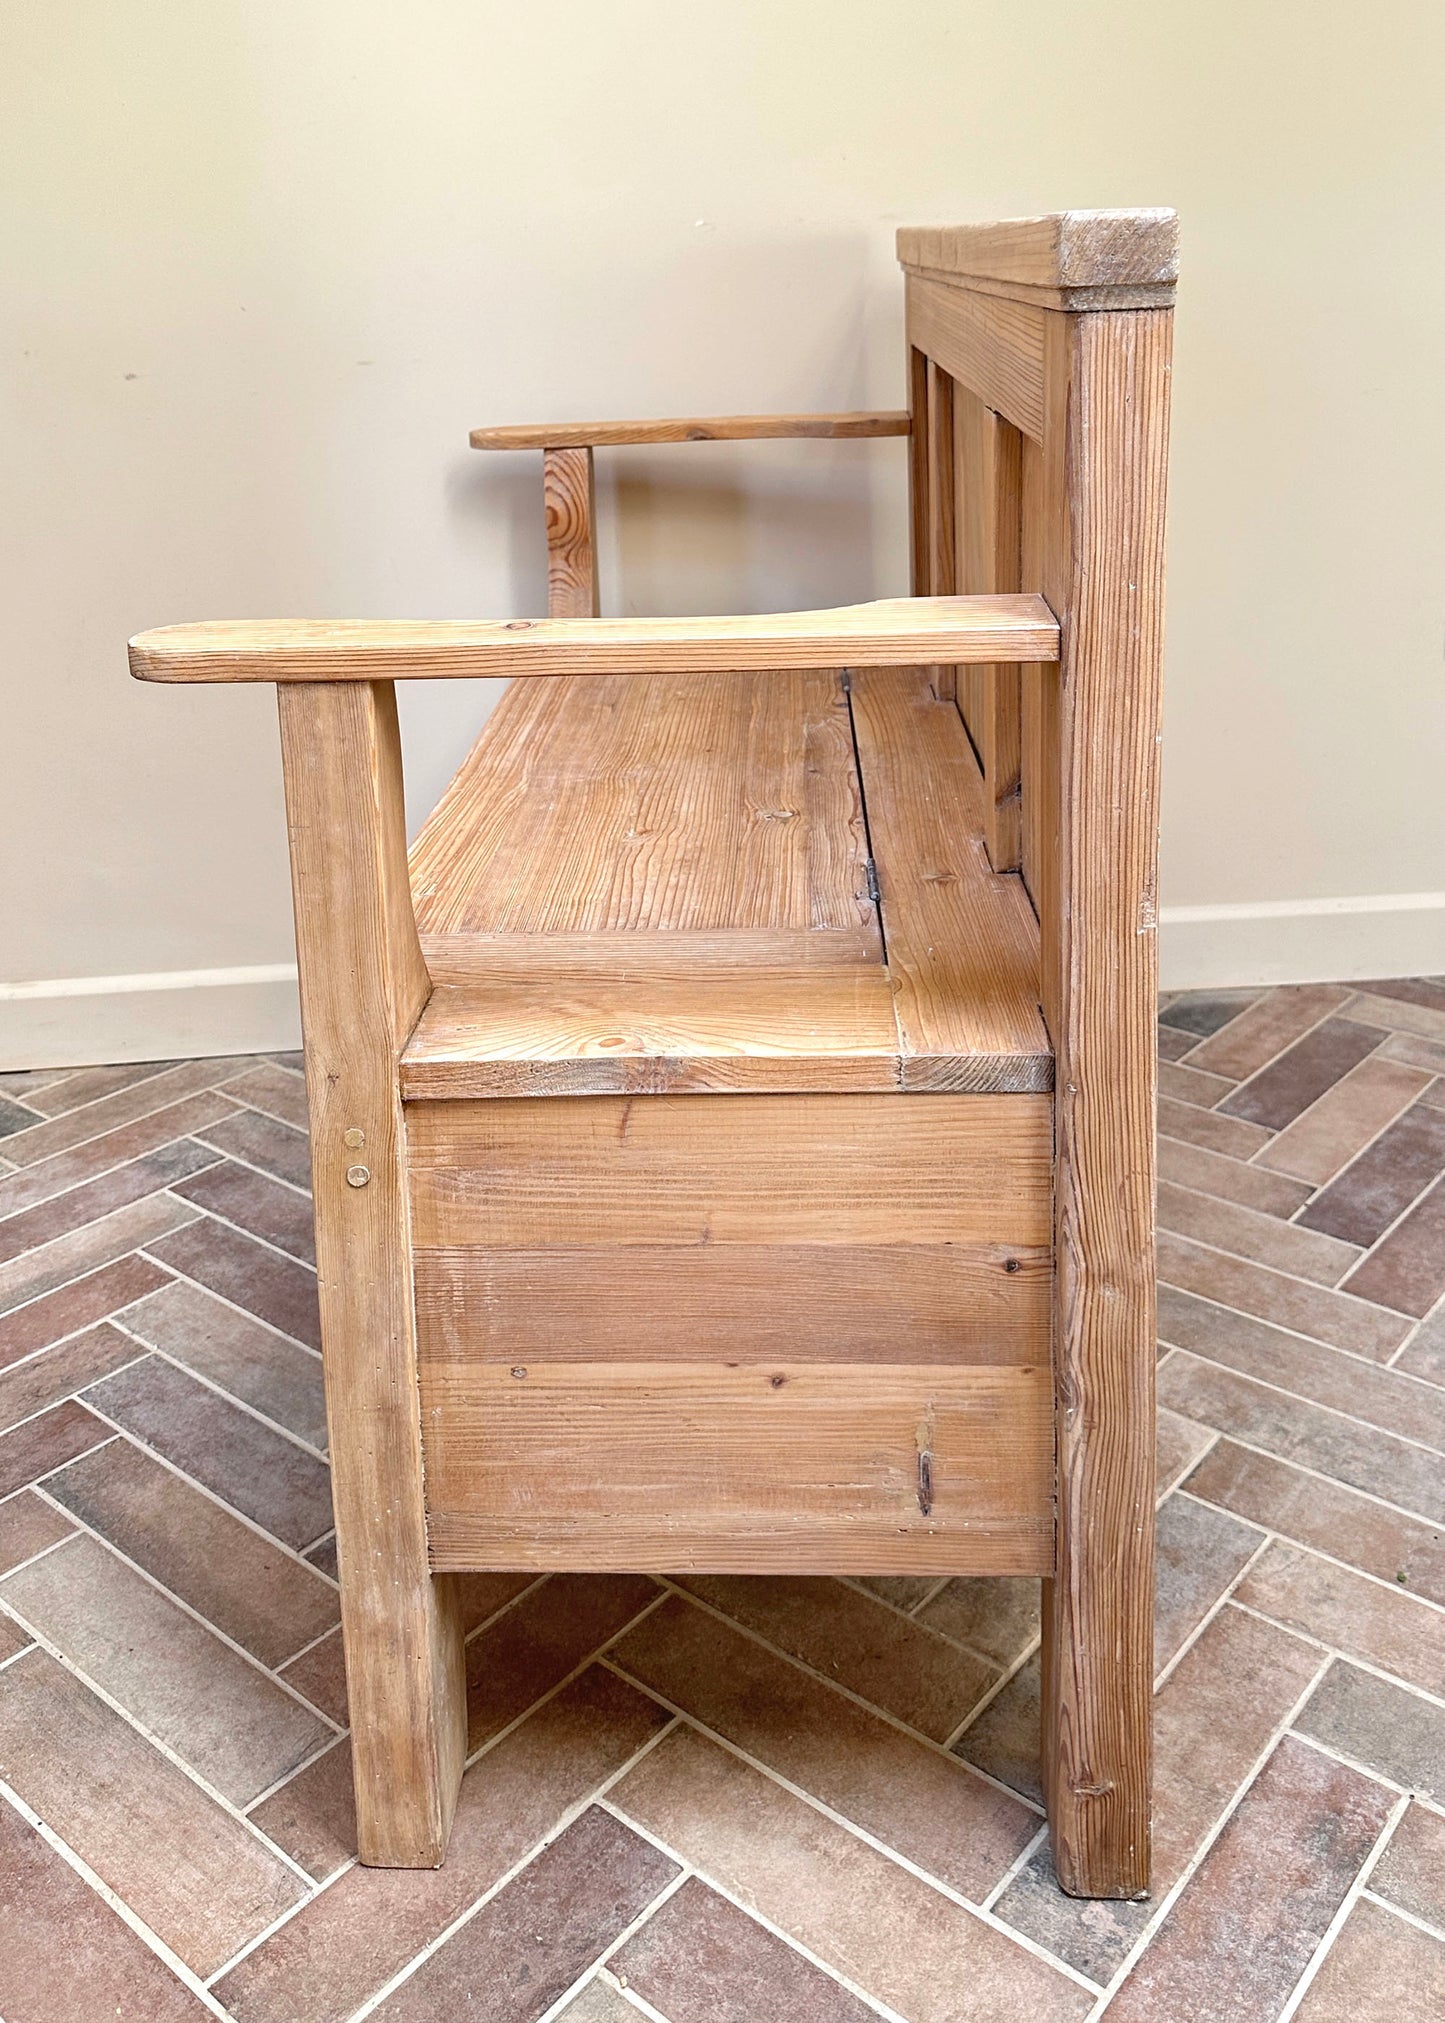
<point x="187" y="1014"/>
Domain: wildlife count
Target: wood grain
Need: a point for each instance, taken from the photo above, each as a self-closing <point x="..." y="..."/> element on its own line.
<point x="570" y="509"/>
<point x="363" y="983"/>
<point x="737" y="1303"/>
<point x="987" y="456"/>
<point x="709" y="429"/>
<point x="911" y="631"/>
<point x="801" y="1467"/>
<point x="994" y="348"/>
<point x="1066" y="260"/>
<point x="699" y="1170"/>
<point x="942" y="533"/>
<point x="1104" y="480"/>
<point x="962" y="942"/>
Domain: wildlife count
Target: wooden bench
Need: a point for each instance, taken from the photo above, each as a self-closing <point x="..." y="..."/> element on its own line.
<point x="733" y="1132"/>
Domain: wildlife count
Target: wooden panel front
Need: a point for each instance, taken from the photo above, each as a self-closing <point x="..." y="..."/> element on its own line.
<point x="736" y="1332"/>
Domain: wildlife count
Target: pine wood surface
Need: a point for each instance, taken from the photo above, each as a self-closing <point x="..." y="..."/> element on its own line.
<point x="707" y="429"/>
<point x="891" y="631"/>
<point x="1066" y="260"/>
<point x="569" y="507"/>
<point x="994" y="348"/>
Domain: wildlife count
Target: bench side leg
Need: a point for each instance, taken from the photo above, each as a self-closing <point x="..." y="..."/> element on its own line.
<point x="1107" y="402"/>
<point x="363" y="985"/>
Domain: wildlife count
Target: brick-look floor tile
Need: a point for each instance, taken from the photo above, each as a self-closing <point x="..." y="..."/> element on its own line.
<point x="258" y="1595"/>
<point x="1427" y="1021"/>
<point x="1181" y="1082"/>
<point x="349" y="1941"/>
<point x="1327" y="1136"/>
<point x="1415" y="1052"/>
<point x="274" y="1288"/>
<point x="1202" y="1012"/>
<point x="1244" y="1288"/>
<point x="1383" y="1726"/>
<point x="1411" y="1871"/>
<point x="1379" y="1970"/>
<point x="1274" y="1022"/>
<point x="1299" y="1076"/>
<point x="1380" y="1185"/>
<point x="13" y="1637"/>
<point x="883" y="1928"/>
<point x="27" y="1388"/>
<point x="319" y="1675"/>
<point x="1003" y="1741"/>
<point x="1248" y="1922"/>
<point x="27" y="1526"/>
<point x="264" y="1207"/>
<point x="1426" y="990"/>
<point x="1229" y="1136"/>
<point x="531" y="1942"/>
<point x="904" y="1667"/>
<point x="949" y="1822"/>
<point x="1230" y="1179"/>
<point x="998" y="1617"/>
<point x="1407" y="1270"/>
<point x="79" y="1206"/>
<point x="94" y="1120"/>
<point x="30" y="1451"/>
<point x="271" y="1374"/>
<point x="1424" y="1353"/>
<point x="65" y="1170"/>
<point x="1178" y="1446"/>
<point x="549" y="1633"/>
<point x="82" y="1250"/>
<point x="90" y="1085"/>
<point x="1382" y="1625"/>
<point x="1258" y="1673"/>
<point x="313" y="1814"/>
<point x="276" y="1091"/>
<point x="323" y="1554"/>
<point x="1247" y="1233"/>
<point x="1172" y="1043"/>
<point x="263" y="1474"/>
<point x="599" y="2002"/>
<point x="220" y="1714"/>
<point x="278" y="1149"/>
<point x="102" y="1968"/>
<point x="77" y="1305"/>
<point x="699" y="1959"/>
<point x="901" y="1590"/>
<point x="200" y="1879"/>
<point x="1294" y="1430"/>
<point x="1326" y="1515"/>
<point x="1199" y="1552"/>
<point x="15" y="1117"/>
<point x="1380" y="1397"/>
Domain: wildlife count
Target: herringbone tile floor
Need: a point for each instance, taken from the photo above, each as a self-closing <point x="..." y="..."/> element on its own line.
<point x="725" y="1800"/>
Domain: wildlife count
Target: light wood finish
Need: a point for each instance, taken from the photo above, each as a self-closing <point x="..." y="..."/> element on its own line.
<point x="994" y="348"/>
<point x="988" y="465"/>
<point x="942" y="536"/>
<point x="569" y="503"/>
<point x="799" y="1468"/>
<point x="363" y="984"/>
<point x="727" y="428"/>
<point x="920" y="554"/>
<point x="962" y="945"/>
<point x="899" y="630"/>
<point x="1065" y="260"/>
<point x="1104" y="476"/>
<point x="697" y="1171"/>
<point x="1039" y="740"/>
<point x="628" y="882"/>
<point x="742" y="1303"/>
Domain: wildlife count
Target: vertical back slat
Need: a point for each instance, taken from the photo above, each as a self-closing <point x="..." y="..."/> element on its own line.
<point x="987" y="461"/>
<point x="942" y="534"/>
<point x="919" y="525"/>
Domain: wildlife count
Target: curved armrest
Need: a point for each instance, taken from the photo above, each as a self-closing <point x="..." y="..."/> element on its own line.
<point x="734" y="428"/>
<point x="900" y="631"/>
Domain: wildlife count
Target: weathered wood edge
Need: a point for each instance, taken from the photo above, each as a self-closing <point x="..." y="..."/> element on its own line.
<point x="721" y="428"/>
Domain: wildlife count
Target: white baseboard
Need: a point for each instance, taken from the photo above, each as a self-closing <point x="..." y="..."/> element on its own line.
<point x="190" y="1013"/>
<point x="172" y="1015"/>
<point x="1302" y="941"/>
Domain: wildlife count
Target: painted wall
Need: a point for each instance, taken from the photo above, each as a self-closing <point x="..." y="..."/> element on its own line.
<point x="267" y="260"/>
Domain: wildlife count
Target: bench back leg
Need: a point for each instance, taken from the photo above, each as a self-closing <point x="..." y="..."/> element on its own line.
<point x="363" y="986"/>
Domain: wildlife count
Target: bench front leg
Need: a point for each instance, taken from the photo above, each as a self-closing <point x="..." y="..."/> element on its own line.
<point x="363" y="986"/>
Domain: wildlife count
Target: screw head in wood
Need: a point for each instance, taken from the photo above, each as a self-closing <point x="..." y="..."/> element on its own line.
<point x="355" y="1138"/>
<point x="357" y="1176"/>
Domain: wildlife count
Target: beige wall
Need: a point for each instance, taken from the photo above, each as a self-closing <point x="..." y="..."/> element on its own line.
<point x="266" y="260"/>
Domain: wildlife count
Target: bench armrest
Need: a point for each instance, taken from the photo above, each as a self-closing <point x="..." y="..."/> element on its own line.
<point x="725" y="428"/>
<point x="901" y="631"/>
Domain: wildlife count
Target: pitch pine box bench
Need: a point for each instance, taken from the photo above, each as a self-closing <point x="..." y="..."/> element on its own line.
<point x="733" y="1131"/>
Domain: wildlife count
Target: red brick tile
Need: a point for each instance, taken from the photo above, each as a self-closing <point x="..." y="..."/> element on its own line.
<point x="319" y="1674"/>
<point x="262" y="1141"/>
<point x="27" y="1388"/>
<point x="137" y="1178"/>
<point x="77" y="1127"/>
<point x="89" y="1085"/>
<point x="1199" y="1554"/>
<point x="1303" y="1073"/>
<point x="1379" y="1970"/>
<point x="1178" y="1446"/>
<point x="1247" y="1924"/>
<point x="30" y="1451"/>
<point x="1334" y="1317"/>
<point x="77" y="1305"/>
<point x="1328" y="1135"/>
<point x="1380" y="1185"/>
<point x="1411" y="1871"/>
<point x="1198" y="1013"/>
<point x="64" y="1170"/>
<point x="313" y="1815"/>
<point x="1247" y="1233"/>
<point x="1231" y="1179"/>
<point x="1379" y="1725"/>
<point x="1229" y="1136"/>
<point x="1407" y="1270"/>
<point x="102" y="1969"/>
<point x="1275" y="1021"/>
<point x="197" y="1877"/>
<point x="28" y="1525"/>
<point x="276" y="1091"/>
<point x="263" y="1207"/>
<point x="1186" y="1084"/>
<point x="699" y="1959"/>
<point x="525" y="1948"/>
<point x="1356" y="1615"/>
<point x="550" y="1632"/>
<point x="274" y="1288"/>
<point x="270" y="1373"/>
<point x="80" y="1251"/>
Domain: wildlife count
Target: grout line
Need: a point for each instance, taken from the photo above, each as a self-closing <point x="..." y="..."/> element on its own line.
<point x="981" y="1706"/>
<point x="1015" y="1868"/>
<point x="112" y="1319"/>
<point x="1355" y="1762"/>
<point x="1349" y="1657"/>
<point x="327" y="1744"/>
<point x="1171" y="1896"/>
<point x="122" y="1909"/>
<point x="1268" y="1221"/>
<point x="628" y="1996"/>
<point x="1176" y="1482"/>
<point x="222" y="1299"/>
<point x="1347" y="1904"/>
<point x="265" y="1172"/>
<point x="1399" y="1911"/>
<point x="1315" y="1474"/>
<point x="1216" y="1608"/>
<point x="93" y="1179"/>
<point x="186" y="1214"/>
<point x="1293" y="1278"/>
<point x="1317" y="1552"/>
<point x="240" y="1229"/>
<point x="664" y="1896"/>
<point x="1319" y="1405"/>
<point x="220" y="1391"/>
<point x="1243" y="1082"/>
<point x="72" y="1397"/>
<point x="171" y="1098"/>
